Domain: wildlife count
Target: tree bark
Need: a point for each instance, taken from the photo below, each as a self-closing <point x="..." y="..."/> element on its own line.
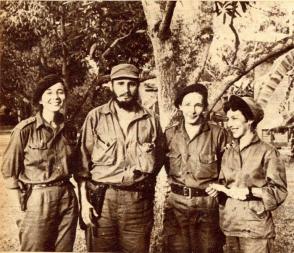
<point x="168" y="57"/>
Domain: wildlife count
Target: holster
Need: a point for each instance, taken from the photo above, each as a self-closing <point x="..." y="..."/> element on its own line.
<point x="25" y="193"/>
<point x="95" y="193"/>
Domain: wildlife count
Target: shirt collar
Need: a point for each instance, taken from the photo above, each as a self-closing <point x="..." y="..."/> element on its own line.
<point x="203" y="127"/>
<point x="40" y="121"/>
<point x="254" y="139"/>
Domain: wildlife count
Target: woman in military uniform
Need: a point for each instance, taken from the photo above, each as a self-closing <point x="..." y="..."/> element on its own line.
<point x="253" y="178"/>
<point x="37" y="166"/>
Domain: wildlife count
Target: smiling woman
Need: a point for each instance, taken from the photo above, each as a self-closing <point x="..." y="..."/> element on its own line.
<point x="253" y="180"/>
<point x="53" y="98"/>
<point x="37" y="165"/>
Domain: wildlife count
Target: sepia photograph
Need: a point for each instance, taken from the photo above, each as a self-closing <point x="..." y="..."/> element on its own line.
<point x="147" y="126"/>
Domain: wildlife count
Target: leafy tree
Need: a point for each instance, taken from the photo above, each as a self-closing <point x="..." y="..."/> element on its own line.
<point x="181" y="40"/>
<point x="43" y="37"/>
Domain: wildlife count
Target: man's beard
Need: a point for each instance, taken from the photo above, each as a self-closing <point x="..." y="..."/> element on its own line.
<point x="127" y="105"/>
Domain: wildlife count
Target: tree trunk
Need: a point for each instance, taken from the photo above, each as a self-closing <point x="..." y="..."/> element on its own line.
<point x="181" y="52"/>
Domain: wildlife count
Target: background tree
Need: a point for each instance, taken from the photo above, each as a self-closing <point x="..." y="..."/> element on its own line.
<point x="181" y="42"/>
<point x="44" y="37"/>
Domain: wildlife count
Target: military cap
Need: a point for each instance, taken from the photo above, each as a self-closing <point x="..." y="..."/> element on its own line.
<point x="124" y="70"/>
<point x="247" y="105"/>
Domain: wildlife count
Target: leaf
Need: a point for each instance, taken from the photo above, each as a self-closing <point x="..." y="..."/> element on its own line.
<point x="236" y="12"/>
<point x="244" y="5"/>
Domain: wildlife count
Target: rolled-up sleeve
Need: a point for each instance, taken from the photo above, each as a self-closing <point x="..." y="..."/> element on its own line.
<point x="13" y="159"/>
<point x="274" y="192"/>
<point x="85" y="148"/>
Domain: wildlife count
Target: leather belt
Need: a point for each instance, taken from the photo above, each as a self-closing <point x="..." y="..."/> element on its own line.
<point x="146" y="186"/>
<point x="187" y="191"/>
<point x="50" y="184"/>
<point x="142" y="187"/>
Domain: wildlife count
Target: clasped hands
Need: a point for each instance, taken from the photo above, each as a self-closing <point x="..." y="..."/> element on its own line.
<point x="240" y="193"/>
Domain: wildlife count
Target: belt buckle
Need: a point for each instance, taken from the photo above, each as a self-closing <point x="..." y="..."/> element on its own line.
<point x="187" y="192"/>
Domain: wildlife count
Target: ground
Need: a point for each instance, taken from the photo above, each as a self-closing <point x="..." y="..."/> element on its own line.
<point x="283" y="217"/>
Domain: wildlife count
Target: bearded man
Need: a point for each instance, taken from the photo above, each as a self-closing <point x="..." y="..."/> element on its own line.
<point x="120" y="150"/>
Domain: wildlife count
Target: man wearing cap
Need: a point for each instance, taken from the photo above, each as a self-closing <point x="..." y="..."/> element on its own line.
<point x="254" y="181"/>
<point x="37" y="165"/>
<point x="194" y="151"/>
<point x="120" y="153"/>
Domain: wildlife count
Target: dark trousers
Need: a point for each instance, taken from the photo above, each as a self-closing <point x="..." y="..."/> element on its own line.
<point x="50" y="220"/>
<point x="191" y="225"/>
<point x="125" y="223"/>
<point x="248" y="245"/>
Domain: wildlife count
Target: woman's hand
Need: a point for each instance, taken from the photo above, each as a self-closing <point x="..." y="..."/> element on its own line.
<point x="211" y="191"/>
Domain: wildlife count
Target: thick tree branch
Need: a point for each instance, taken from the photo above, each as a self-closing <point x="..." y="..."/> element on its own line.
<point x="237" y="40"/>
<point x="164" y="30"/>
<point x="274" y="54"/>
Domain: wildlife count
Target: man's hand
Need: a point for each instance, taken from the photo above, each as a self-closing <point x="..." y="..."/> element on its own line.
<point x="88" y="213"/>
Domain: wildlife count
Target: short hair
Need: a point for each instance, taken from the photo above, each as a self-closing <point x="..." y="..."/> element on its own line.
<point x="251" y="111"/>
<point x="198" y="88"/>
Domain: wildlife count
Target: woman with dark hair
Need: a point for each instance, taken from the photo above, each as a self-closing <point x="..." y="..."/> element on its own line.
<point x="253" y="182"/>
<point x="37" y="166"/>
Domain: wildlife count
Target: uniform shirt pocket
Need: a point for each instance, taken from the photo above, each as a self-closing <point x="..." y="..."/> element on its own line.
<point x="207" y="167"/>
<point x="36" y="153"/>
<point x="104" y="151"/>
